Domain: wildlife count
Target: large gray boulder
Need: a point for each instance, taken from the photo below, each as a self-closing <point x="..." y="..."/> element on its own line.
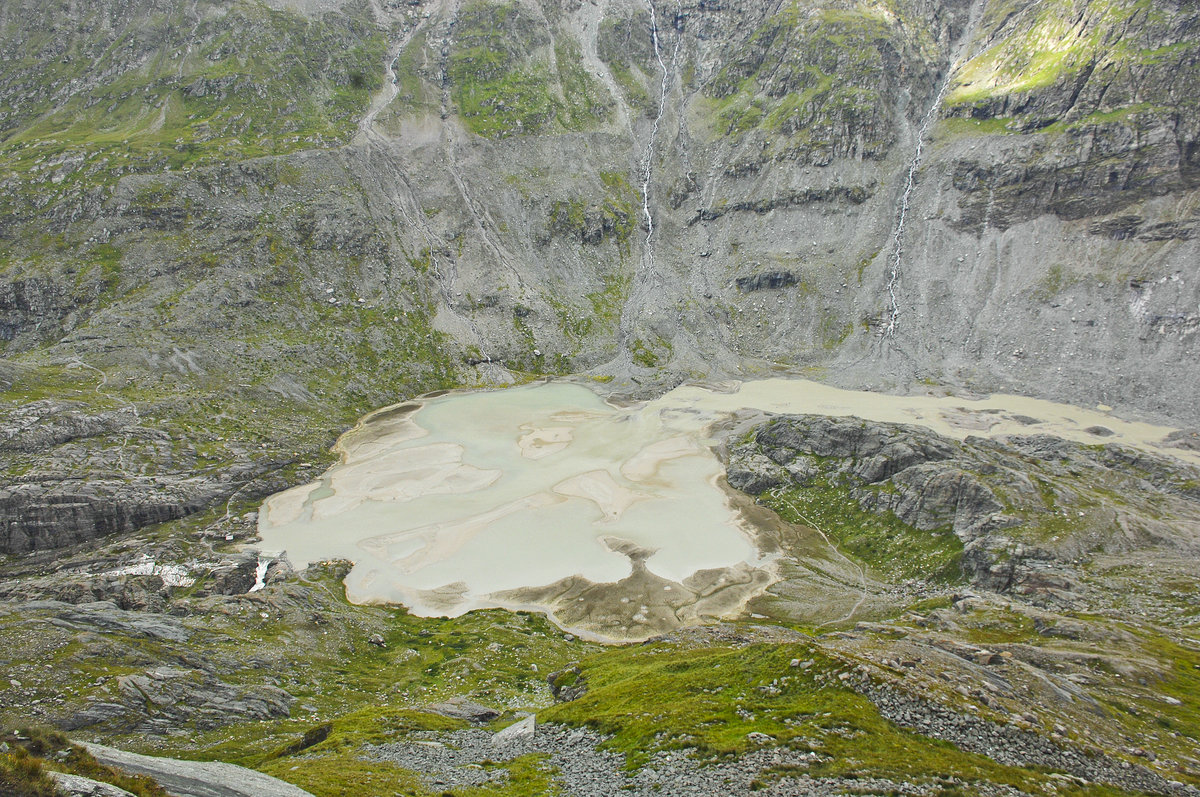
<point x="197" y="778"/>
<point x="78" y="786"/>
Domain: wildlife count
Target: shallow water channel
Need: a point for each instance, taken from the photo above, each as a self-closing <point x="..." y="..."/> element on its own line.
<point x="611" y="519"/>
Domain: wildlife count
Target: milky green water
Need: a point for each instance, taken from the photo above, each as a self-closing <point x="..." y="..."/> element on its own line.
<point x="453" y="503"/>
<point x="486" y="492"/>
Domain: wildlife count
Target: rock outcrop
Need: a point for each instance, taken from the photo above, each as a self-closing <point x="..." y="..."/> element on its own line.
<point x="36" y="516"/>
<point x="197" y="778"/>
<point x="77" y="786"/>
<point x="1023" y="507"/>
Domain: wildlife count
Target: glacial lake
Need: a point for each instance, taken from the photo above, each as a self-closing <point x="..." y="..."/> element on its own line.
<point x="611" y="519"/>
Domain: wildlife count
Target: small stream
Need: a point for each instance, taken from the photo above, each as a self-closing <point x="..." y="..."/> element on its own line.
<point x="959" y="55"/>
<point x="648" y="161"/>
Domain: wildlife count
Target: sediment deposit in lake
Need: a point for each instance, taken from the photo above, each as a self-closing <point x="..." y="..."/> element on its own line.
<point x="611" y="519"/>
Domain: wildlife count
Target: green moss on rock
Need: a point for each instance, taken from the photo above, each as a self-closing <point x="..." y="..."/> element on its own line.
<point x="504" y="83"/>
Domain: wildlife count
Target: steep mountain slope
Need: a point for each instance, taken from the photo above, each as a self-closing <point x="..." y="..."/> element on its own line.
<point x="236" y="226"/>
<point x="228" y="228"/>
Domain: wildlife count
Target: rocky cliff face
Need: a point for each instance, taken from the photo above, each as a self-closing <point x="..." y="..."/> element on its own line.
<point x="236" y="226"/>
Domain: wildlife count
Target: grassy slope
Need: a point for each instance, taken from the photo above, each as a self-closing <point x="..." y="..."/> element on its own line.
<point x="127" y="95"/>
<point x="815" y="81"/>
<point x="504" y="81"/>
<point x="174" y="91"/>
<point x="1058" y="47"/>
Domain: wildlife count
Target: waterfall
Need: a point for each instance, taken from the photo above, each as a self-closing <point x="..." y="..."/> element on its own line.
<point x="958" y="56"/>
<point x="902" y="216"/>
<point x="648" y="160"/>
<point x="260" y="574"/>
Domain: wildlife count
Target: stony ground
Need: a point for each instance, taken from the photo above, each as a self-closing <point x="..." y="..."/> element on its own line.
<point x="577" y="763"/>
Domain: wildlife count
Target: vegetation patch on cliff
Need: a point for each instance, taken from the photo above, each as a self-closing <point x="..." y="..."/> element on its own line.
<point x="504" y="82"/>
<point x="109" y="101"/>
<point x="891" y="548"/>
<point x="818" y="83"/>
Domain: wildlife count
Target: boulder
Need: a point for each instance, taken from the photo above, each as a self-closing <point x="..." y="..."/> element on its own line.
<point x="516" y="732"/>
<point x="197" y="778"/>
<point x="77" y="786"/>
<point x="567" y="685"/>
<point x="463" y="709"/>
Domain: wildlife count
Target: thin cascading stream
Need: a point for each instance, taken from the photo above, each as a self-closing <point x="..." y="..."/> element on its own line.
<point x="646" y="277"/>
<point x="648" y="160"/>
<point x="905" y="199"/>
<point x="960" y="53"/>
<point x="391" y="85"/>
